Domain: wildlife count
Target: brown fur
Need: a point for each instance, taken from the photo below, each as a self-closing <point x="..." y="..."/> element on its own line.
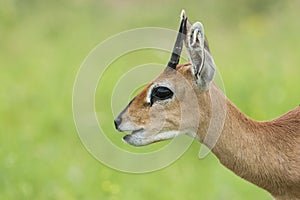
<point x="264" y="153"/>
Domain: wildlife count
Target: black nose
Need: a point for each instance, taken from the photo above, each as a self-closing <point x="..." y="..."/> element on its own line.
<point x="117" y="122"/>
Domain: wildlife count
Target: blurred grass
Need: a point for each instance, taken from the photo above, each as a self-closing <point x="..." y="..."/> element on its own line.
<point x="42" y="44"/>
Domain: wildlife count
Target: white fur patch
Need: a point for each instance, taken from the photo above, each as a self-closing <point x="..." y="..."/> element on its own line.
<point x="139" y="138"/>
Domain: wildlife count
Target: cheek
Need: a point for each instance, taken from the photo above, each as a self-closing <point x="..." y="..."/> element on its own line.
<point x="167" y="116"/>
<point x="139" y="116"/>
<point x="174" y="119"/>
<point x="158" y="117"/>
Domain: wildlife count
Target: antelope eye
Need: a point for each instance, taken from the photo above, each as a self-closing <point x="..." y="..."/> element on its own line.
<point x="160" y="93"/>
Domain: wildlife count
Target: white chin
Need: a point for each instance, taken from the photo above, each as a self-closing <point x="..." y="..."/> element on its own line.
<point x="139" y="138"/>
<point x="136" y="141"/>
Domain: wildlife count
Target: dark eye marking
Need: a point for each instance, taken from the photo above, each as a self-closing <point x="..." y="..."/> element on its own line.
<point x="160" y="93"/>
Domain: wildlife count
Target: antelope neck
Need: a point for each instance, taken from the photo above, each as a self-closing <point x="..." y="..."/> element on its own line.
<point x="250" y="148"/>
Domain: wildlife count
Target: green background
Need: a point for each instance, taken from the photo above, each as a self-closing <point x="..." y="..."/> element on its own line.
<point x="255" y="45"/>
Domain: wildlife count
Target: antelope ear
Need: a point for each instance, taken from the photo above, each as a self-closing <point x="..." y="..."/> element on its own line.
<point x="199" y="55"/>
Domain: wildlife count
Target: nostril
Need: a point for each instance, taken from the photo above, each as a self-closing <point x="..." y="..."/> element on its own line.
<point x="117" y="122"/>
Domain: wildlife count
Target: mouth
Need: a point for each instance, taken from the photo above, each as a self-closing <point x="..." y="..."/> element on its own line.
<point x="137" y="138"/>
<point x="141" y="138"/>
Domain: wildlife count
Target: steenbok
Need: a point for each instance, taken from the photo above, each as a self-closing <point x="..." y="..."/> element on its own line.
<point x="264" y="153"/>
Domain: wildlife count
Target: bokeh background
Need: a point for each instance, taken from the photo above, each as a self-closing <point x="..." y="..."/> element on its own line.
<point x="255" y="45"/>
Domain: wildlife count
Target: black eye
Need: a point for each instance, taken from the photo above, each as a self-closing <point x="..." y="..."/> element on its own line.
<point x="160" y="93"/>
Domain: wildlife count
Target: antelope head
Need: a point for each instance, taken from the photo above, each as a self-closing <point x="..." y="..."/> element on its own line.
<point x="178" y="101"/>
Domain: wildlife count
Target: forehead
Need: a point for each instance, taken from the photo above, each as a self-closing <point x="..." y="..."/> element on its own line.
<point x="184" y="68"/>
<point x="169" y="73"/>
<point x="166" y="78"/>
<point x="170" y="76"/>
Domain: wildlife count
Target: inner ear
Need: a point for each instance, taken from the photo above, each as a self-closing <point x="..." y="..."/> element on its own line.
<point x="199" y="55"/>
<point x="207" y="72"/>
<point x="194" y="43"/>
